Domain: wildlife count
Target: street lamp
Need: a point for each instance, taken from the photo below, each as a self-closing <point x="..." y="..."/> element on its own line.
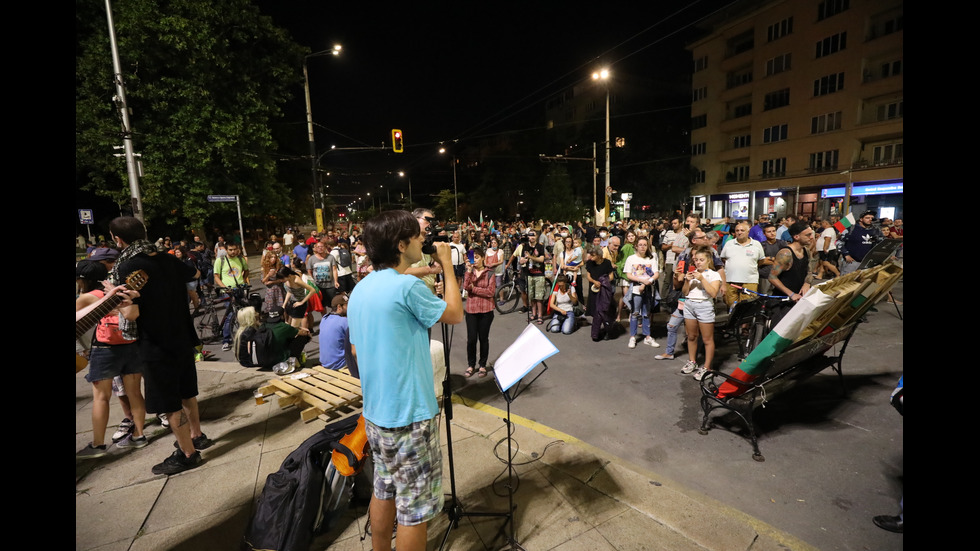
<point x="335" y="51"/>
<point x="442" y="150"/>
<point x="401" y="174"/>
<point x="603" y="75"/>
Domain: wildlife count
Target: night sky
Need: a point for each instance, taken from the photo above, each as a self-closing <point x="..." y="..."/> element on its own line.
<point x="465" y="70"/>
<point x="460" y="71"/>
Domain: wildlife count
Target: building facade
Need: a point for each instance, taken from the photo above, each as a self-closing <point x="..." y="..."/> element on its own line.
<point x="797" y="107"/>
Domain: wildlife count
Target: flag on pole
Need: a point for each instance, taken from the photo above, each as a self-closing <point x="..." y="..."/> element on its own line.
<point x="845" y="222"/>
<point x="778" y="340"/>
<point x="481" y="217"/>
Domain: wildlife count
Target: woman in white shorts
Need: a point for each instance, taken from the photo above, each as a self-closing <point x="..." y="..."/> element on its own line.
<point x="700" y="288"/>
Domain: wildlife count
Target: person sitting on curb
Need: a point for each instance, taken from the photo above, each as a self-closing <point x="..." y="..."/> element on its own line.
<point x="288" y="341"/>
<point x="335" y="350"/>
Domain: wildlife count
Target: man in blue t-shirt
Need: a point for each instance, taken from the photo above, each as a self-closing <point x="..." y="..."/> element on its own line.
<point x="335" y="336"/>
<point x="389" y="315"/>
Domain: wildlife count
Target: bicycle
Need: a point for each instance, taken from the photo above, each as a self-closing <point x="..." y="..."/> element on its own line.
<point x="508" y="295"/>
<point x="751" y="320"/>
<point x="210" y="326"/>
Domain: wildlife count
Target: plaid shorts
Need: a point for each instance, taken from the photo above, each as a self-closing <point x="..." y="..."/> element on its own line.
<point x="408" y="469"/>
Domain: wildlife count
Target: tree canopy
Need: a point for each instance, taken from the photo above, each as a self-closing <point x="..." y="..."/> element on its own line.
<point x="203" y="81"/>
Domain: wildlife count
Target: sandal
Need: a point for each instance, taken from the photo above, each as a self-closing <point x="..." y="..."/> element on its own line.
<point x="468" y="373"/>
<point x="539" y="321"/>
<point x="483" y="372"/>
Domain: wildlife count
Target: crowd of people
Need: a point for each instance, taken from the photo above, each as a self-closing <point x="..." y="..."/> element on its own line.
<point x="379" y="294"/>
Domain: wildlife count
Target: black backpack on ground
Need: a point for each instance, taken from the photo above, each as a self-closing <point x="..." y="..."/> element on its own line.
<point x="257" y="348"/>
<point x="264" y="347"/>
<point x="305" y="497"/>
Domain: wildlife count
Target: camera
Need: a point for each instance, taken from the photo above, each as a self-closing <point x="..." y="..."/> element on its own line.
<point x="432" y="231"/>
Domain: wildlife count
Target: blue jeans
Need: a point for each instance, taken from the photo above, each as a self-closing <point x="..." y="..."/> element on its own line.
<point x="226" y="324"/>
<point x="641" y="308"/>
<point x="676" y="320"/>
<point x="565" y="327"/>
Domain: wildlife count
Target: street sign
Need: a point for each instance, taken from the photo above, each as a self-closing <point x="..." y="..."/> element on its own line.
<point x="86" y="216"/>
<point x="222" y="198"/>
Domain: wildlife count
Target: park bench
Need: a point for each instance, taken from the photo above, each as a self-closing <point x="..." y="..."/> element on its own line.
<point x="782" y="372"/>
<point x="823" y="320"/>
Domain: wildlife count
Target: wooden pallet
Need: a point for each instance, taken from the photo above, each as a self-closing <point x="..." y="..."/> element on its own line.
<point x="317" y="392"/>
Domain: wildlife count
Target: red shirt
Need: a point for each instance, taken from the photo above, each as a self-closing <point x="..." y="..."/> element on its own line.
<point x="479" y="291"/>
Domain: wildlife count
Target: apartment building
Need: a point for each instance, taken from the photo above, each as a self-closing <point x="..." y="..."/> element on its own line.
<point x="797" y="107"/>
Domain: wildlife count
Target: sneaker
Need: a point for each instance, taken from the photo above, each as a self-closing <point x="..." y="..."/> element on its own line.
<point x="664" y="357"/>
<point x="650" y="342"/>
<point x="162" y="418"/>
<point x="226" y="346"/>
<point x="132" y="442"/>
<point x="92" y="452"/>
<point x="689" y="367"/>
<point x="200" y="443"/>
<point x="632" y="343"/>
<point x="699" y="373"/>
<point x="177" y="463"/>
<point x="125" y="429"/>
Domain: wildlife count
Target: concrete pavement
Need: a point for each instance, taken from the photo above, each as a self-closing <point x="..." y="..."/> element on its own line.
<point x="569" y="495"/>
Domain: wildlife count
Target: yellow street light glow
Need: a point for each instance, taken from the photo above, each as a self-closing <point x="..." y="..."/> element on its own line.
<point x="603" y="75"/>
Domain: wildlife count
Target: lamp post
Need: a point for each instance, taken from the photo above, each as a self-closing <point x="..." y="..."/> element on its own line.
<point x="401" y="174"/>
<point x="309" y="126"/>
<point x="603" y="75"/>
<point x="455" y="193"/>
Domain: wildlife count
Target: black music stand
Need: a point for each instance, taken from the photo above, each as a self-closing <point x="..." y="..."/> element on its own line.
<point x="530" y="348"/>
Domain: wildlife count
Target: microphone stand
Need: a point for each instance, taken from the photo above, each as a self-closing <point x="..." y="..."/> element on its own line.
<point x="454" y="508"/>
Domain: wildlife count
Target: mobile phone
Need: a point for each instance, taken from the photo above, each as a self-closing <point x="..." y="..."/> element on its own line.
<point x="470" y="255"/>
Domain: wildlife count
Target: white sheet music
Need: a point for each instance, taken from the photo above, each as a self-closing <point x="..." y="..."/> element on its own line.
<point x="529" y="349"/>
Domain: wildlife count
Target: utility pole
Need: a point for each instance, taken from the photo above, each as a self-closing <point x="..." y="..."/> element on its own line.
<point x="127" y="133"/>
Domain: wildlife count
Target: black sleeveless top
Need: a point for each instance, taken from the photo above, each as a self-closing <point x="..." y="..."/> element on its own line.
<point x="795" y="276"/>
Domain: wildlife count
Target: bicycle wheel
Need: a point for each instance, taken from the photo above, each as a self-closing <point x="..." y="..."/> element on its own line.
<point x="209" y="327"/>
<point x="506" y="298"/>
<point x="756" y="333"/>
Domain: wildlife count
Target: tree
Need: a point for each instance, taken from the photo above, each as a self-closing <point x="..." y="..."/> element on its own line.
<point x="558" y="201"/>
<point x="445" y="208"/>
<point x="203" y="80"/>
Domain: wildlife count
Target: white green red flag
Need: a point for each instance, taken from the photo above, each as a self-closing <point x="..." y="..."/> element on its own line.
<point x="778" y="340"/>
<point x="845" y="223"/>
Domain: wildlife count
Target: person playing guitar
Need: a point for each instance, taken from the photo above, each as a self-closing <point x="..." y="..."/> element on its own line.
<point x="111" y="354"/>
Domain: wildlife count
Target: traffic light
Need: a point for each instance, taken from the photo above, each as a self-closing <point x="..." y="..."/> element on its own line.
<point x="396" y="141"/>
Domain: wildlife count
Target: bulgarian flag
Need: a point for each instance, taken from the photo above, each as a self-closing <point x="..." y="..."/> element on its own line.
<point x="778" y="340"/>
<point x="845" y="223"/>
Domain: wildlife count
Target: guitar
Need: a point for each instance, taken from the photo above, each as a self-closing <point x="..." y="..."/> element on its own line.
<point x="89" y="317"/>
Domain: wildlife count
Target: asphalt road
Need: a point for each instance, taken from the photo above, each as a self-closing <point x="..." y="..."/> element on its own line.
<point x="833" y="460"/>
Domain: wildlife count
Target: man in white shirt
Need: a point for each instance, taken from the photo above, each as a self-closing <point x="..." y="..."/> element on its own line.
<point x="742" y="256"/>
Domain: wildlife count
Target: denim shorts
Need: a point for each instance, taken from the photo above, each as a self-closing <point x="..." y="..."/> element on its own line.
<point x="408" y="469"/>
<point x="701" y="310"/>
<point x="106" y="362"/>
